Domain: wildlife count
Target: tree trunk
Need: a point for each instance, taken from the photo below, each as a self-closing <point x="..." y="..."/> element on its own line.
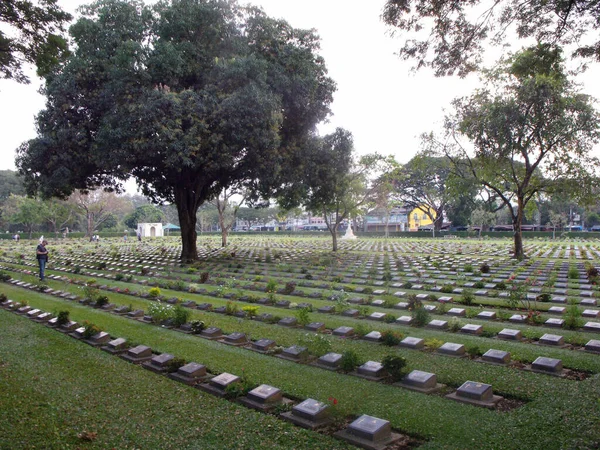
<point x="334" y="238"/>
<point x="518" y="235"/>
<point x="187" y="207"/>
<point x="223" y="237"/>
<point x="90" y="225"/>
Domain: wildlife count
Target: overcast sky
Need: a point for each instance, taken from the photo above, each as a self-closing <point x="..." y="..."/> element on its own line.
<point x="378" y="98"/>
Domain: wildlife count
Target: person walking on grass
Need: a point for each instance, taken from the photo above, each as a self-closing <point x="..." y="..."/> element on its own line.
<point x="42" y="257"/>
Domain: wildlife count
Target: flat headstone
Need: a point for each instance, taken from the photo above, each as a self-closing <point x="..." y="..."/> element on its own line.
<point x="376" y="316"/>
<point x="371" y="369"/>
<point x="218" y="384"/>
<point x="294" y="353"/>
<point x="351" y="313"/>
<point x="368" y="432"/>
<point x="309" y="414"/>
<point x="593" y="345"/>
<point x="496" y="356"/>
<point x="404" y="320"/>
<point x="592" y="326"/>
<point x="288" y="322"/>
<point x="373" y="336"/>
<point x="452" y="349"/>
<point x="558" y="299"/>
<point x="552" y="339"/>
<point x="412" y="342"/>
<point x="138" y="354"/>
<point x="554" y="323"/>
<point x="158" y="363"/>
<point x="399" y="294"/>
<point x="588" y="302"/>
<point x="478" y="394"/>
<point x="556" y="310"/>
<point x="330" y="361"/>
<point x="99" y="338"/>
<point x="472" y="329"/>
<point x="593" y="313"/>
<point x="510" y="334"/>
<point x="343" y="331"/>
<point x="315" y="327"/>
<point x="263" y="397"/>
<point x="487" y="315"/>
<point x="547" y="365"/>
<point x="263" y="345"/>
<point x="211" y="333"/>
<point x="460" y="312"/>
<point x="191" y="373"/>
<point x="518" y="318"/>
<point x="438" y="324"/>
<point x="116" y="346"/>
<point x="401" y="305"/>
<point x="421" y="381"/>
<point x="328" y="309"/>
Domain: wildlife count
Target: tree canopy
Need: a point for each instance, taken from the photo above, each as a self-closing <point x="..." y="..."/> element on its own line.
<point x="32" y="34"/>
<point x="187" y="96"/>
<point x="450" y="36"/>
<point x="532" y="132"/>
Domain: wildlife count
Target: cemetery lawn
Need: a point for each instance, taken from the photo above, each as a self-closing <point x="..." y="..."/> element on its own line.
<point x="77" y="389"/>
<point x="57" y="393"/>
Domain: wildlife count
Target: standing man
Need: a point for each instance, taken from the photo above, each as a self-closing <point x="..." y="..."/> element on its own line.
<point x="42" y="257"/>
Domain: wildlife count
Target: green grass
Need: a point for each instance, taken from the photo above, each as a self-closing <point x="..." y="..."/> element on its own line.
<point x="52" y="388"/>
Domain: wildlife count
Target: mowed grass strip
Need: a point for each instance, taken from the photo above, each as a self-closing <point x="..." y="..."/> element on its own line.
<point x="53" y="389"/>
<point x="560" y="413"/>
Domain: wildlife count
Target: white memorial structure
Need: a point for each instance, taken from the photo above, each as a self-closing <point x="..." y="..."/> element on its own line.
<point x="150" y="229"/>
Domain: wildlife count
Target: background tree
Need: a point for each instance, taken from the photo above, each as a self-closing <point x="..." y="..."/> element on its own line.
<point x="143" y="214"/>
<point x="227" y="210"/>
<point x="482" y="218"/>
<point x="429" y="183"/>
<point x="10" y="183"/>
<point x="27" y="212"/>
<point x="531" y="130"/>
<point x="188" y="97"/>
<point x="59" y="214"/>
<point x="31" y="34"/>
<point x="557" y="220"/>
<point x="451" y="36"/>
<point x="97" y="207"/>
<point x="334" y="184"/>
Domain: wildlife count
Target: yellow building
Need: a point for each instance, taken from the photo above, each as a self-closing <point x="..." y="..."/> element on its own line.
<point x="418" y="218"/>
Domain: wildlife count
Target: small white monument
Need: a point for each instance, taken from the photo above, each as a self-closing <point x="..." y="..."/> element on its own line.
<point x="150" y="229"/>
<point x="349" y="233"/>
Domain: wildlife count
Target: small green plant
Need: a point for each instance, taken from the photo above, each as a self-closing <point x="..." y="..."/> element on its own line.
<point x="317" y="344"/>
<point x="573" y="273"/>
<point x="433" y="344"/>
<point x="180" y="315"/>
<point x="302" y="316"/>
<point x="90" y="330"/>
<point x="250" y="310"/>
<point x="349" y="361"/>
<point x="572" y="316"/>
<point x="468" y="267"/>
<point x="395" y="366"/>
<point x="159" y="312"/>
<point x="239" y="389"/>
<point x="91" y="292"/>
<point x="391" y="338"/>
<point x="447" y="289"/>
<point x="231" y="308"/>
<point x="62" y="318"/>
<point x="467" y="297"/>
<point x="197" y="326"/>
<point x="119" y="277"/>
<point x="204" y="277"/>
<point x="420" y="316"/>
<point x="473" y="351"/>
<point x="174" y="365"/>
<point x="101" y="300"/>
<point x="389" y="318"/>
<point x="454" y="324"/>
<point x="154" y="292"/>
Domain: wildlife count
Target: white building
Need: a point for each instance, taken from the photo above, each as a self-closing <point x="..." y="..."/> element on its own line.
<point x="150" y="229"/>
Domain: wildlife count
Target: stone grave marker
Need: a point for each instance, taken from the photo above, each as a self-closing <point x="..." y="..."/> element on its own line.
<point x="472" y="329"/>
<point x="115" y="346"/>
<point x="593" y="346"/>
<point x="496" y="357"/>
<point x="556" y="310"/>
<point x="373" y="336"/>
<point x="369" y="432"/>
<point x="218" y="384"/>
<point x="310" y="414"/>
<point x="592" y="326"/>
<point x="294" y="353"/>
<point x="372" y="370"/>
<point x="554" y="323"/>
<point x="413" y="343"/>
<point x="315" y="327"/>
<point x="459" y="312"/>
<point x="404" y="320"/>
<point x="68" y="327"/>
<point x="100" y="338"/>
<point x="438" y="324"/>
<point x="452" y="349"/>
<point x="343" y="331"/>
<point x="420" y="381"/>
<point x="158" y="363"/>
<point x="517" y="318"/>
<point x="479" y="394"/>
<point x="487" y="315"/>
<point x="549" y="366"/>
<point x="263" y="398"/>
<point x="263" y="345"/>
<point x="510" y="334"/>
<point x="44" y="317"/>
<point x="138" y="354"/>
<point x="330" y="361"/>
<point x="552" y="339"/>
<point x="211" y="333"/>
<point x="594" y="314"/>
<point x="328" y="309"/>
<point x="288" y="322"/>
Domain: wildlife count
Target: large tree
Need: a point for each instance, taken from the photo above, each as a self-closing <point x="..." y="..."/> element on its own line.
<point x="450" y="36"/>
<point x="31" y="34"/>
<point x="97" y="207"/>
<point x="531" y="130"/>
<point x="188" y="97"/>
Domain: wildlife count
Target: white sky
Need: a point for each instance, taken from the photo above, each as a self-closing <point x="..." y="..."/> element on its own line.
<point x="378" y="98"/>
